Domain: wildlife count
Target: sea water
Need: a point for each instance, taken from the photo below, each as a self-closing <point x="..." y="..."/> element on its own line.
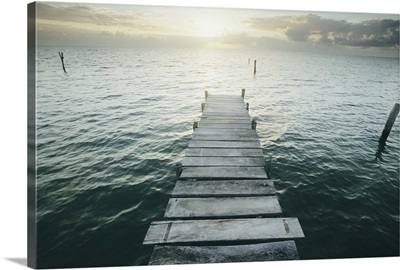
<point x="111" y="130"/>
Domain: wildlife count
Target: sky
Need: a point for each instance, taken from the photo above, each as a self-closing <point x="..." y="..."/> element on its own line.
<point x="124" y="25"/>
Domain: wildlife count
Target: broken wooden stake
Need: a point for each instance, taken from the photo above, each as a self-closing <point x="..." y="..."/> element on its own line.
<point x="178" y="169"/>
<point x="62" y="60"/>
<point x="195" y="125"/>
<point x="268" y="168"/>
<point x="253" y="124"/>
<point x="389" y="123"/>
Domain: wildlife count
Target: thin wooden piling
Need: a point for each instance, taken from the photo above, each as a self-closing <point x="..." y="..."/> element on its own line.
<point x="253" y="124"/>
<point x="62" y="60"/>
<point x="243" y="92"/>
<point x="389" y="123"/>
<point x="268" y="168"/>
<point x="195" y="125"/>
<point x="255" y="66"/>
<point x="202" y="106"/>
<point x="178" y="169"/>
<point x="247" y="106"/>
<point x="206" y="94"/>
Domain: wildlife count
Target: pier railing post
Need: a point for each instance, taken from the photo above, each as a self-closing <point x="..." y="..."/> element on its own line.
<point x="243" y="92"/>
<point x="389" y="123"/>
<point x="253" y="124"/>
<point x="195" y="125"/>
<point x="268" y="168"/>
<point x="178" y="169"/>
<point x="202" y="106"/>
<point x="206" y="94"/>
<point x="247" y="106"/>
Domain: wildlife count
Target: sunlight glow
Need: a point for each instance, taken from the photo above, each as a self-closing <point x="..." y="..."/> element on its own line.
<point x="207" y="28"/>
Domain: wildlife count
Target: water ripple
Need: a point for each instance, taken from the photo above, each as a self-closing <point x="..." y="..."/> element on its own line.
<point x="108" y="140"/>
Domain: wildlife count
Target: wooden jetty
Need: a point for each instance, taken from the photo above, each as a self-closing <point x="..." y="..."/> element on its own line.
<point x="223" y="207"/>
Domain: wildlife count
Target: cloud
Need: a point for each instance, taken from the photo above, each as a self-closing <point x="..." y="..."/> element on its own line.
<point x="141" y="26"/>
<point x="92" y="15"/>
<point x="78" y="13"/>
<point x="92" y="25"/>
<point x="315" y="29"/>
<point x="235" y="39"/>
<point x="62" y="35"/>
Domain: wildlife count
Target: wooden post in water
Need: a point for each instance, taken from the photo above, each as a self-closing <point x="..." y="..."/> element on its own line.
<point x="62" y="60"/>
<point x="206" y="94"/>
<point x="202" y="106"/>
<point x="195" y="125"/>
<point x="268" y="168"/>
<point x="178" y="169"/>
<point x="247" y="106"/>
<point x="389" y="123"/>
<point x="253" y="124"/>
<point x="255" y="66"/>
<point x="243" y="92"/>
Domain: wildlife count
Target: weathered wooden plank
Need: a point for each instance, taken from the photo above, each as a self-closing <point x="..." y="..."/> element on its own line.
<point x="226" y="114"/>
<point x="222" y="207"/>
<point x="223" y="173"/>
<point x="224" y="134"/>
<point x="225" y="131"/>
<point x="222" y="96"/>
<point x="224" y="121"/>
<point x="223" y="152"/>
<point x="240" y="111"/>
<point x="223" y="118"/>
<point x="219" y="109"/>
<point x="225" y="105"/>
<point x="187" y="188"/>
<point x="223" y="161"/>
<point x="222" y="137"/>
<point x="220" y="230"/>
<point x="225" y="100"/>
<point x="224" y="125"/>
<point x="225" y="144"/>
<point x="276" y="251"/>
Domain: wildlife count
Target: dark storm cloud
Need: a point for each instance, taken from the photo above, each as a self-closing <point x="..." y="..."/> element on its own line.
<point x="315" y="29"/>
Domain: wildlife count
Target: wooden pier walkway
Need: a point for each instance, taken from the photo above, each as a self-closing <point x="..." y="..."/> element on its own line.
<point x="223" y="207"/>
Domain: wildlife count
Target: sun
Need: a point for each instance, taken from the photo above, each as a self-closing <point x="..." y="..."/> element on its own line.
<point x="207" y="28"/>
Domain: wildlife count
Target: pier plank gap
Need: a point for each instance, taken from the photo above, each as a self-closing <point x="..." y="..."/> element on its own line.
<point x="223" y="207"/>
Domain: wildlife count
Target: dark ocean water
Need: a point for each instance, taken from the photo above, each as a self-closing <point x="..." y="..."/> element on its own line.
<point x="111" y="130"/>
